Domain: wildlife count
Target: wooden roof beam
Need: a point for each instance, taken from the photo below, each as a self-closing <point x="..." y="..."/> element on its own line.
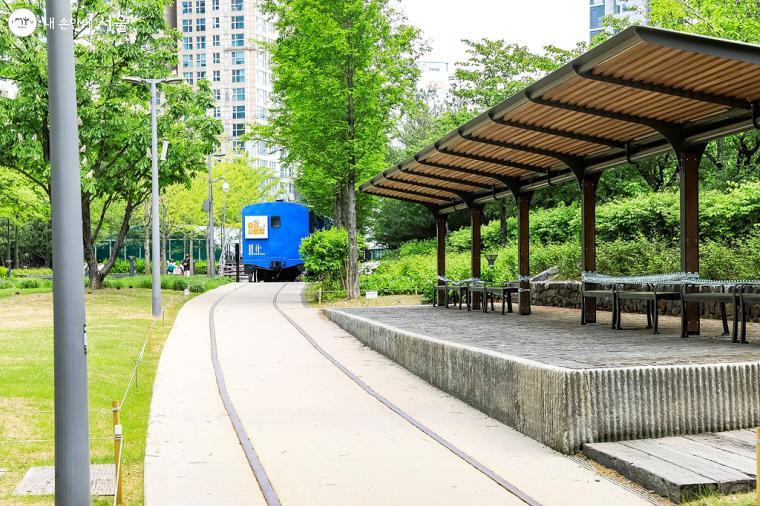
<point x="463" y="182"/>
<point x="665" y="90"/>
<point x="495" y="161"/>
<point x="429" y="186"/>
<point x="509" y="182"/>
<point x="567" y="134"/>
<point x="428" y="196"/>
<point x="565" y="158"/>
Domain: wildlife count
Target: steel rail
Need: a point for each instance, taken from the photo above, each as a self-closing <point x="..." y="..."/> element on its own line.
<point x="270" y="496"/>
<point x="502" y="482"/>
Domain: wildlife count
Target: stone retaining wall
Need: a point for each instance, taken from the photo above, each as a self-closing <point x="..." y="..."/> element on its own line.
<point x="564" y="408"/>
<point x="568" y="294"/>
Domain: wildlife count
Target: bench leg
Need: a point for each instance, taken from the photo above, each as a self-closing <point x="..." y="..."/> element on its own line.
<point x="583" y="309"/>
<point x="655" y="318"/>
<point x="684" y="320"/>
<point x="650" y="316"/>
<point x="509" y="302"/>
<point x="744" y="322"/>
<point x="619" y="316"/>
<point x="503" y="302"/>
<point x="735" y="330"/>
<point x="723" y="317"/>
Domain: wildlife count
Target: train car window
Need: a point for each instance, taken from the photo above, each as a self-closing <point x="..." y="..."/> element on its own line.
<point x="275" y="222"/>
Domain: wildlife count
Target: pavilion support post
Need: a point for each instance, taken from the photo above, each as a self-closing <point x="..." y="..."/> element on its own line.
<point x="691" y="156"/>
<point x="523" y="250"/>
<point x="476" y="217"/>
<point x="440" y="224"/>
<point x="589" y="184"/>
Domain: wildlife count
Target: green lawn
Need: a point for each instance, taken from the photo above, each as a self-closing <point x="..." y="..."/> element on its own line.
<point x="118" y="322"/>
<point x="727" y="500"/>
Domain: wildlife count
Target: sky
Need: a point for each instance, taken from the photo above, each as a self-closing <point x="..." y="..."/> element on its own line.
<point x="534" y="23"/>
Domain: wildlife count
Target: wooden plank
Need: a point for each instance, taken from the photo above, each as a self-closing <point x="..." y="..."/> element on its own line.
<point x="741" y="463"/>
<point x="746" y="435"/>
<point x="664" y="478"/>
<point x="727" y="444"/>
<point x="728" y="480"/>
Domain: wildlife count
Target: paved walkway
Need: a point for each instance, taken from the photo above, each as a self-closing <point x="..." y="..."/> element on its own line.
<point x="554" y="336"/>
<point x="321" y="438"/>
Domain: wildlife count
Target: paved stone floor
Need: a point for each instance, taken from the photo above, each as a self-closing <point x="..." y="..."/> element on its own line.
<point x="554" y="336"/>
<point x="41" y="481"/>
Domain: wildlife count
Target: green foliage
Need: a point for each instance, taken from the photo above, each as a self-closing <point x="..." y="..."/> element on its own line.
<point x="325" y="254"/>
<point x="196" y="284"/>
<point x="114" y="128"/>
<point x="417" y="248"/>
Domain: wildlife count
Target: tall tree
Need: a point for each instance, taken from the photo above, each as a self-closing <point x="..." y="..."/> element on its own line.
<point x="112" y="40"/>
<point x="341" y="68"/>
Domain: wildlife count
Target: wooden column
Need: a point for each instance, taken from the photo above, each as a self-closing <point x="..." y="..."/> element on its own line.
<point x="440" y="224"/>
<point x="476" y="216"/>
<point x="689" y="189"/>
<point x="523" y="249"/>
<point x="589" y="184"/>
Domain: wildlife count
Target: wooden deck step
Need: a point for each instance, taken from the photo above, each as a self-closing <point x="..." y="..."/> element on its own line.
<point x="683" y="467"/>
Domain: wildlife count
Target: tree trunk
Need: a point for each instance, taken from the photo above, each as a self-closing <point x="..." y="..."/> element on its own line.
<point x="503" y="222"/>
<point x="352" y="280"/>
<point x="192" y="264"/>
<point x="146" y="243"/>
<point x="15" y="250"/>
<point x="90" y="254"/>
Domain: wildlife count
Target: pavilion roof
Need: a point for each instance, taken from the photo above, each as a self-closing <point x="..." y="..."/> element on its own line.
<point x="632" y="97"/>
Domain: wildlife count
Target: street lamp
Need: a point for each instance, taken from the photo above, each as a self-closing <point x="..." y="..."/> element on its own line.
<point x="225" y="190"/>
<point x="210" y="249"/>
<point x="156" y="253"/>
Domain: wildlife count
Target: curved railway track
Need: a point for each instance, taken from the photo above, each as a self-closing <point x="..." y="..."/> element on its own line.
<point x="270" y="494"/>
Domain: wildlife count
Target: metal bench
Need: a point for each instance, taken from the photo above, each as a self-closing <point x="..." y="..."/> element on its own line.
<point x="607" y="291"/>
<point x="456" y="290"/>
<point x="727" y="295"/>
<point x="652" y="295"/>
<point x="505" y="291"/>
<point x="746" y="301"/>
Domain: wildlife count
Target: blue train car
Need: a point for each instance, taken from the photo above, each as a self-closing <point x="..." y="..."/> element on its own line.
<point x="272" y="233"/>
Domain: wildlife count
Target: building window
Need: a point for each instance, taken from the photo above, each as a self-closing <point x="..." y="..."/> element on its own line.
<point x="238" y="145"/>
<point x="188" y="77"/>
<point x="215" y="41"/>
<point x="217" y="94"/>
<point x="262" y="96"/>
<point x="200" y="60"/>
<point x="200" y="25"/>
<point x="237" y="22"/>
<point x="200" y="6"/>
<point x="187" y="25"/>
<point x="237" y="57"/>
<point x="215" y="22"/>
<point x="217" y="112"/>
<point x="200" y="75"/>
<point x="238" y="112"/>
<point x="216" y="57"/>
<point x="597" y="16"/>
<point x="237" y="40"/>
<point x="216" y="76"/>
<point x="238" y="75"/>
<point x="187" y="60"/>
<point x="187" y="7"/>
<point x="238" y="93"/>
<point x="238" y="129"/>
<point x="187" y="43"/>
<point x="263" y="165"/>
<point x="236" y="5"/>
<point x="214" y="5"/>
<point x="200" y="42"/>
<point x="261" y="112"/>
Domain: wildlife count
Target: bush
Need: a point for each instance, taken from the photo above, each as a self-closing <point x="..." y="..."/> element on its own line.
<point x="418" y="248"/>
<point x="324" y="255"/>
<point x="3" y="272"/>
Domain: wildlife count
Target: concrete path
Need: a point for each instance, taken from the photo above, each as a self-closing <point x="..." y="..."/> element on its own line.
<point x="321" y="438"/>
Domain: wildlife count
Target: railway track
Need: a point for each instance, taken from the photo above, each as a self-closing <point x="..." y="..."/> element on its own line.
<point x="258" y="469"/>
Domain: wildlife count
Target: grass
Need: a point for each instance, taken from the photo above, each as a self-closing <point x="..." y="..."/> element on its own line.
<point x="118" y="322"/>
<point x="725" y="500"/>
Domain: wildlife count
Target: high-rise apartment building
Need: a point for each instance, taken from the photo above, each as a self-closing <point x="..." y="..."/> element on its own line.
<point x="635" y="10"/>
<point x="218" y="44"/>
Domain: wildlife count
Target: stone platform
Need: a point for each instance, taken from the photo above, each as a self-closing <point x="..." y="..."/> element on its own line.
<point x="565" y="384"/>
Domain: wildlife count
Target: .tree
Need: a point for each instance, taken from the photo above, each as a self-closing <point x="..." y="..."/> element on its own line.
<point x="113" y="115"/>
<point x="341" y="68"/>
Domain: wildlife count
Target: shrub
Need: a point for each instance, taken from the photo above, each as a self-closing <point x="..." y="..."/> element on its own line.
<point x="324" y="254"/>
<point x="417" y="248"/>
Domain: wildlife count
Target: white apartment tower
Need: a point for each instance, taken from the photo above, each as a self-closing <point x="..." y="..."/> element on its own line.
<point x="635" y="10"/>
<point x="218" y="44"/>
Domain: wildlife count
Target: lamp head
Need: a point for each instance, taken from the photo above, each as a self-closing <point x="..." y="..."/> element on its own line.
<point x="225" y="187"/>
<point x="133" y="79"/>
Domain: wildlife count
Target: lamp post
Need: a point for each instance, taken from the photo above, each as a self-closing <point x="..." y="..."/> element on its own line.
<point x="72" y="426"/>
<point x="225" y="190"/>
<point x="210" y="249"/>
<point x="155" y="236"/>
